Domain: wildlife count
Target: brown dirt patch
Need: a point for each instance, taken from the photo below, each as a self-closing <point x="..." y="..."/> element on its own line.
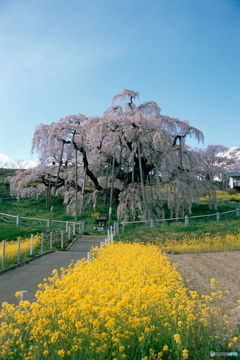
<point x="198" y="269"/>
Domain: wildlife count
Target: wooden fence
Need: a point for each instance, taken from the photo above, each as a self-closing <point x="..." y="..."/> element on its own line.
<point x="19" y="252"/>
<point x="77" y="227"/>
<point x="186" y="220"/>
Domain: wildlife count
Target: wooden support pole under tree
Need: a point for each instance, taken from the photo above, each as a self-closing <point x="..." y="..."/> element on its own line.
<point x="83" y="189"/>
<point x="76" y="186"/>
<point x="106" y="187"/>
<point x="111" y="193"/>
<point x="48" y="199"/>
<point x="142" y="184"/>
<point x="133" y="169"/>
<point x="181" y="160"/>
<point x="59" y="166"/>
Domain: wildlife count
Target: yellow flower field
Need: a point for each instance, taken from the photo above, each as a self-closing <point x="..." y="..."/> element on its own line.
<point x="11" y="249"/>
<point x="224" y="196"/>
<point x="206" y="243"/>
<point x="128" y="302"/>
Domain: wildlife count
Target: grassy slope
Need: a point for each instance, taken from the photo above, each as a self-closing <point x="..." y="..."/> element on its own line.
<point x="179" y="230"/>
<point x="33" y="208"/>
<point x="176" y="230"/>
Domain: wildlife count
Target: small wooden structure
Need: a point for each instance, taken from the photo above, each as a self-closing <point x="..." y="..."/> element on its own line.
<point x="102" y="219"/>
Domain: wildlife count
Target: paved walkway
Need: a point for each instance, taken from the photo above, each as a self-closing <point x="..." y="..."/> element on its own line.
<point x="28" y="276"/>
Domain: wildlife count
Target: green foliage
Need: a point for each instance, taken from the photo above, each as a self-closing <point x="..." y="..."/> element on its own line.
<point x="232" y="191"/>
<point x="34" y="208"/>
<point x="11" y="231"/>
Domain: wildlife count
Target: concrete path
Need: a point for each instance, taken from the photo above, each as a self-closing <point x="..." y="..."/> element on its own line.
<point x="28" y="276"/>
<point x="85" y="243"/>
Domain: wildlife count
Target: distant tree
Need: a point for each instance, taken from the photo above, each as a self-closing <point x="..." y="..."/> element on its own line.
<point x="216" y="161"/>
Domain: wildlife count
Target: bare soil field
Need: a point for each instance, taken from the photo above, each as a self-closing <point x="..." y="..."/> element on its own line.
<point x="198" y="269"/>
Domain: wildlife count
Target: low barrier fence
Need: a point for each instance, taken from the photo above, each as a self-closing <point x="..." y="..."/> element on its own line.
<point x="77" y="227"/>
<point x="13" y="252"/>
<point x="121" y="226"/>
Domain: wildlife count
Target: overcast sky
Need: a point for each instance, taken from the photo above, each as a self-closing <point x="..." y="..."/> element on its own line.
<point x="63" y="57"/>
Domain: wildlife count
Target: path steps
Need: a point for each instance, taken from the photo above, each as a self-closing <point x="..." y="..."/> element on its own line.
<point x="85" y="243"/>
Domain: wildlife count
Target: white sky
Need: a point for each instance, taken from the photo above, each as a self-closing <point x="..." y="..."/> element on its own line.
<point x="63" y="57"/>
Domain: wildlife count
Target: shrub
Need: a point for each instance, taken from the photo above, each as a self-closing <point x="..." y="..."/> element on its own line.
<point x="232" y="191"/>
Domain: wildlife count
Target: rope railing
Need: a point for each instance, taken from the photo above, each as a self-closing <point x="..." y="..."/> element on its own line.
<point x="186" y="219"/>
<point x="80" y="225"/>
<point x="48" y="222"/>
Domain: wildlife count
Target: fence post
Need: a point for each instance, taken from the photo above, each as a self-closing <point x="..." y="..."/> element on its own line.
<point x="83" y="225"/>
<point x="23" y="295"/>
<point x="18" y="248"/>
<point x="61" y="239"/>
<point x="237" y="212"/>
<point x="48" y="223"/>
<point x="17" y="220"/>
<point x="116" y="227"/>
<point x="69" y="233"/>
<point x="123" y="227"/>
<point x="151" y="223"/>
<point x="51" y="234"/>
<point x="31" y="245"/>
<point x="66" y="226"/>
<point x="218" y="216"/>
<point x="41" y="243"/>
<point x="3" y="253"/>
<point x="74" y="228"/>
<point x="186" y="220"/>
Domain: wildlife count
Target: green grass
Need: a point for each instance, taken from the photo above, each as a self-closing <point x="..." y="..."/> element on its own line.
<point x="36" y="208"/>
<point x="33" y="208"/>
<point x="11" y="231"/>
<point x="177" y="230"/>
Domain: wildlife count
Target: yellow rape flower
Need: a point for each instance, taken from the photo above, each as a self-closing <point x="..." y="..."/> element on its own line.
<point x="185" y="354"/>
<point x="177" y="338"/>
<point x="61" y="352"/>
